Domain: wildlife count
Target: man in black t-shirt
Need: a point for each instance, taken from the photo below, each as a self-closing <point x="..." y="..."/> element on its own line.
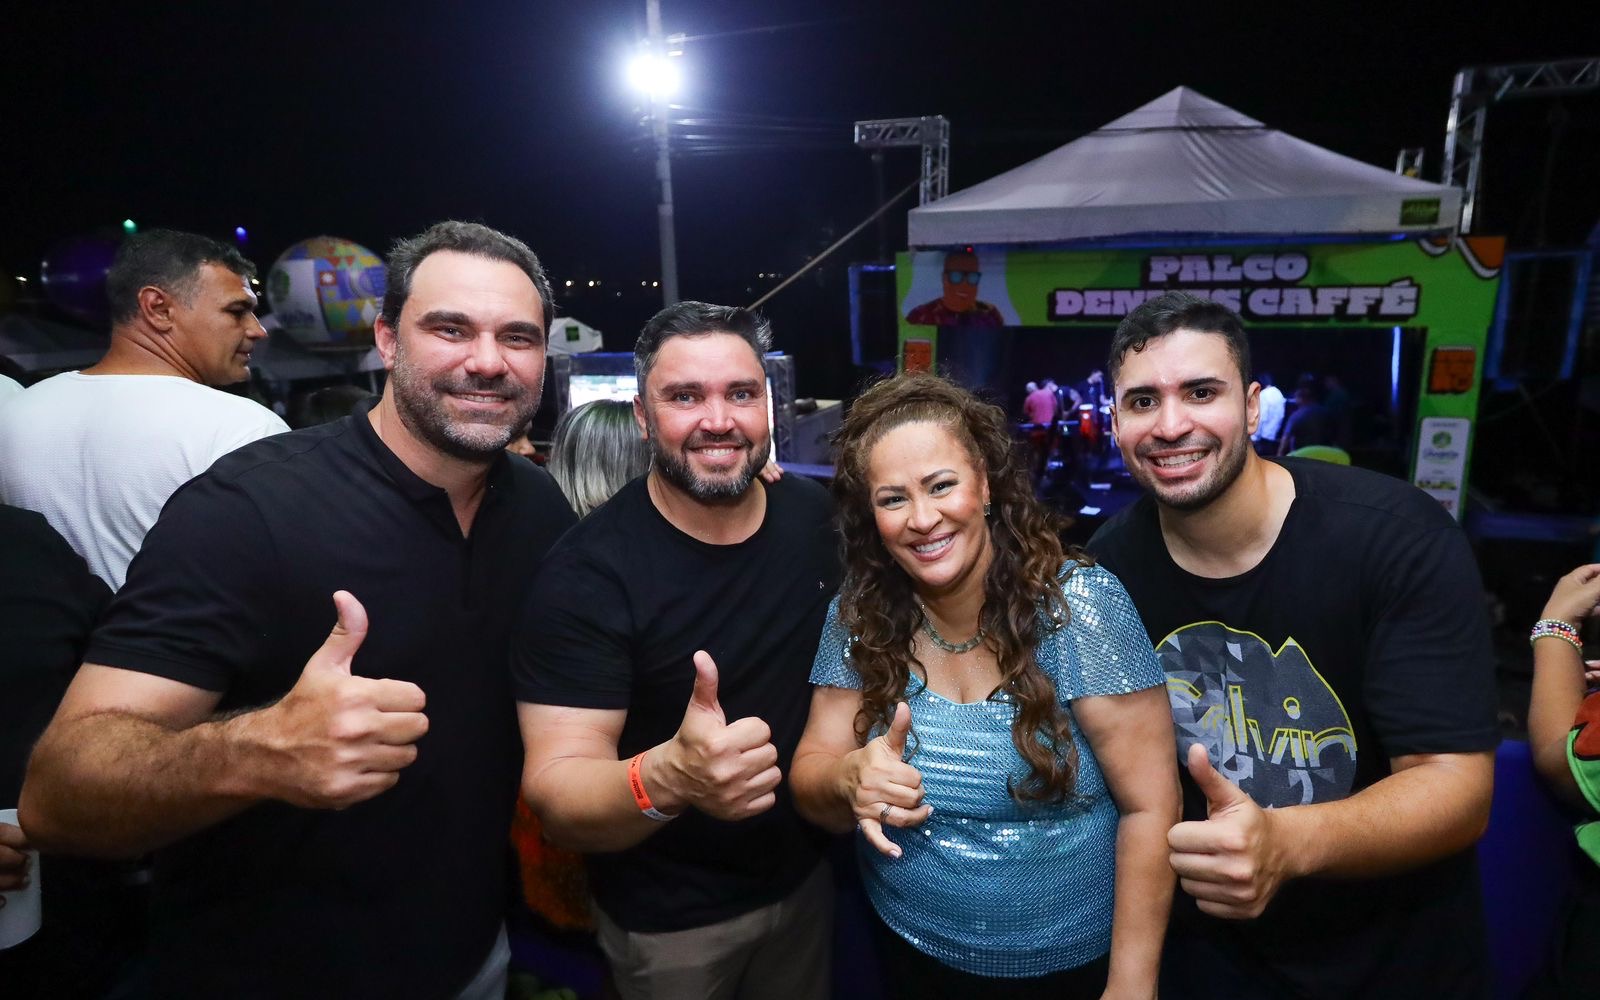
<point x="661" y="664"/>
<point x="1331" y="683"/>
<point x="330" y="812"/>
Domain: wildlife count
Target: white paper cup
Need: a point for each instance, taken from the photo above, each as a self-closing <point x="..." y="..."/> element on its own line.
<point x="20" y="917"/>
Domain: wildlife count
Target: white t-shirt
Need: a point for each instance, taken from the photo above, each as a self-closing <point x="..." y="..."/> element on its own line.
<point x="8" y="387"/>
<point x="98" y="455"/>
<point x="1271" y="422"/>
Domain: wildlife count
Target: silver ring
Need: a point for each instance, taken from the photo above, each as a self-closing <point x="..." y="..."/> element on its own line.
<point x="883" y="817"/>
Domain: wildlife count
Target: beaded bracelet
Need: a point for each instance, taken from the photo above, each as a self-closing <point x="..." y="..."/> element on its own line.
<point x="1555" y="628"/>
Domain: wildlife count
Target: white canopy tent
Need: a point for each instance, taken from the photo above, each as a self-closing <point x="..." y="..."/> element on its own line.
<point x="1184" y="164"/>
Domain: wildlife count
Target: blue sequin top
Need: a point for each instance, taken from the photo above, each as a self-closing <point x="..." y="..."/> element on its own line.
<point x="987" y="885"/>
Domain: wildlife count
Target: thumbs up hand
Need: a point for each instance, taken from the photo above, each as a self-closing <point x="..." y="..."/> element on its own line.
<point x="883" y="790"/>
<point x="337" y="739"/>
<point x="727" y="770"/>
<point x="1231" y="863"/>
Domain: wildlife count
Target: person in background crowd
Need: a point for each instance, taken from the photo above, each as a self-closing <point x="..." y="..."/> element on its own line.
<point x="1041" y="405"/>
<point x="99" y="451"/>
<point x="1019" y="847"/>
<point x="596" y="450"/>
<point x="1310" y="423"/>
<point x="1331" y="683"/>
<point x="92" y="926"/>
<point x="330" y="811"/>
<point x="1336" y="400"/>
<point x="661" y="670"/>
<point x="1270" y="425"/>
<point x="1564" y="735"/>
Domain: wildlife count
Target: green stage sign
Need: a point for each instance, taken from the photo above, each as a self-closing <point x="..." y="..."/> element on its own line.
<point x="1445" y="287"/>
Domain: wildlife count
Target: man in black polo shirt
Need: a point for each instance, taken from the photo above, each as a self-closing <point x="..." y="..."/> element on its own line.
<point x="330" y="812"/>
<point x="662" y="666"/>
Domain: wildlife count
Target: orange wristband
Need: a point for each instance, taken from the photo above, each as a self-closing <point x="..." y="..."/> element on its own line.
<point x="640" y="796"/>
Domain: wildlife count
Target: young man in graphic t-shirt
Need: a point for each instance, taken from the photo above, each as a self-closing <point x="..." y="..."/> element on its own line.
<point x="1331" y="684"/>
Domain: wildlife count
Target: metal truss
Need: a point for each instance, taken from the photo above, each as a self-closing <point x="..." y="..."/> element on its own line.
<point x="1478" y="87"/>
<point x="930" y="132"/>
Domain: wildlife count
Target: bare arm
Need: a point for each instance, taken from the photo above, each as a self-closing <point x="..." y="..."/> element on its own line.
<point x="572" y="779"/>
<point x="128" y="764"/>
<point x="837" y="783"/>
<point x="1234" y="862"/>
<point x="1132" y="739"/>
<point x="1558" y="682"/>
<point x="133" y="762"/>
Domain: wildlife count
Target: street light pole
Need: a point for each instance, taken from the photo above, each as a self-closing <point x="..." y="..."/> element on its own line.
<point x="658" y="124"/>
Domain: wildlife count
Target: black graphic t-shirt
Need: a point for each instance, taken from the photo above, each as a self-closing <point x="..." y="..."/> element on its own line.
<point x="1358" y="638"/>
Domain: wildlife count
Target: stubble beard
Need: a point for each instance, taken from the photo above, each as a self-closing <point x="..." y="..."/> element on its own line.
<point x="1193" y="497"/>
<point x="422" y="408"/>
<point x="675" y="467"/>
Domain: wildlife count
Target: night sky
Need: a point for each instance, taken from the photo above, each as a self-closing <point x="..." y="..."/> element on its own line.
<point x="370" y="121"/>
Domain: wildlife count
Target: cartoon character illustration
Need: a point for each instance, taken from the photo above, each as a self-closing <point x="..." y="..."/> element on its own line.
<point x="959" y="305"/>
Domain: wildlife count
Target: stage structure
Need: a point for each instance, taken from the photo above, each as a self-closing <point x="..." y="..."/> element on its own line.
<point x="1185" y="193"/>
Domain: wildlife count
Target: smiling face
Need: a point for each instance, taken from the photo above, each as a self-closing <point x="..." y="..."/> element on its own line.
<point x="467" y="362"/>
<point x="704" y="409"/>
<point x="214" y="327"/>
<point x="1183" y="418"/>
<point x="927" y="498"/>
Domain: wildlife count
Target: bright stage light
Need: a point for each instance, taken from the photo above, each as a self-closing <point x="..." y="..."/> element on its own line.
<point x="654" y="75"/>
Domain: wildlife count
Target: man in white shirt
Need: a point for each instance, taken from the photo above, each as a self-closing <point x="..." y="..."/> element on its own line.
<point x="1271" y="422"/>
<point x="99" y="451"/>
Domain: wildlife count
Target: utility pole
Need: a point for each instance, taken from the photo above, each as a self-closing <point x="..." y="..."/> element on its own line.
<point x="658" y="125"/>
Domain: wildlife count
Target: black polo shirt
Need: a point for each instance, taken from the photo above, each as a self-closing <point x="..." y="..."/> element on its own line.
<point x="400" y="895"/>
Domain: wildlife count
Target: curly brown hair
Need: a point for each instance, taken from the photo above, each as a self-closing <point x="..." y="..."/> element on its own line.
<point x="880" y="611"/>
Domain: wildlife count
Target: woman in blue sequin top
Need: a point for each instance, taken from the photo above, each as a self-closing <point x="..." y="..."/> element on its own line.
<point x="989" y="714"/>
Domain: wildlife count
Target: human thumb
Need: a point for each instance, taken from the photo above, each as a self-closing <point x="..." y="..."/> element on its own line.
<point x="895" y="738"/>
<point x="705" y="683"/>
<point x="347" y="636"/>
<point x="1219" y="791"/>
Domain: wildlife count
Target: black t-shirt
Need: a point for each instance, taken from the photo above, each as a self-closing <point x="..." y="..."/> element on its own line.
<point x="400" y="895"/>
<point x="619" y="609"/>
<point x="1360" y="636"/>
<point x="48" y="604"/>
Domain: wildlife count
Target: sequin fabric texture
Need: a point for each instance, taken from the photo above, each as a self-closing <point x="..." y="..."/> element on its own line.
<point x="988" y="885"/>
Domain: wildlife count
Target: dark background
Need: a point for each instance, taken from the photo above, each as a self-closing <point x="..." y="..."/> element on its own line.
<point x="370" y="121"/>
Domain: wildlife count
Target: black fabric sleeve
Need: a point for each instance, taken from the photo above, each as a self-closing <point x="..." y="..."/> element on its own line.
<point x="571" y="645"/>
<point x="48" y="604"/>
<point x="1430" y="684"/>
<point x="198" y="603"/>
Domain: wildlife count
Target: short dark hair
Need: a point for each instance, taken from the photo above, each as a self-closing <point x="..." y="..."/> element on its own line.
<point x="460" y="237"/>
<point x="1162" y="315"/>
<point x="694" y="319"/>
<point x="169" y="260"/>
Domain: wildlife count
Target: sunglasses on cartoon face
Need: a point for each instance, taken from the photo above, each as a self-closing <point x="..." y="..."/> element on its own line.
<point x="957" y="277"/>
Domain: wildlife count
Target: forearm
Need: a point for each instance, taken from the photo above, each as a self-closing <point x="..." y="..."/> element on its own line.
<point x="1558" y="687"/>
<point x="1414" y="816"/>
<point x="114" y="785"/>
<point x="820" y="793"/>
<point x="1144" y="882"/>
<point x="585" y="803"/>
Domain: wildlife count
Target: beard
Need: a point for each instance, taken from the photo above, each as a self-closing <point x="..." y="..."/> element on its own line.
<point x="722" y="489"/>
<point x="1228" y="464"/>
<point x="422" y="406"/>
